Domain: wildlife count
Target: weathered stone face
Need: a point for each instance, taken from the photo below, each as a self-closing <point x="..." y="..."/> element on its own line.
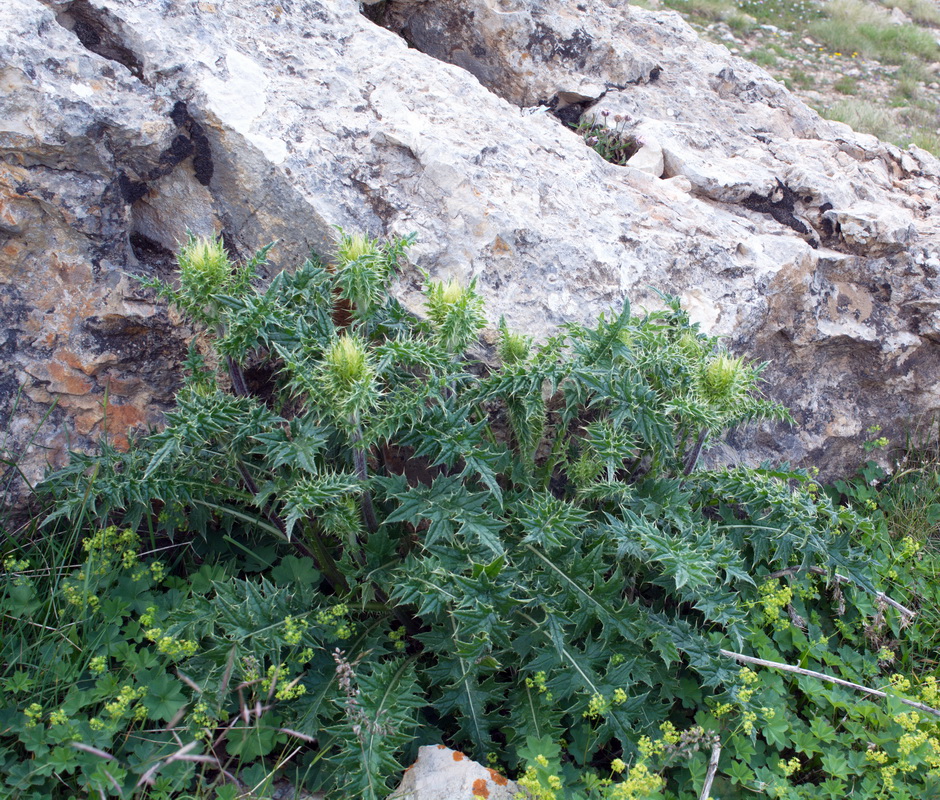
<point x="125" y="123"/>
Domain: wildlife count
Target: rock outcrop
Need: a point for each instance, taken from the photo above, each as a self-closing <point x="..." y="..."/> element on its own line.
<point x="125" y="123"/>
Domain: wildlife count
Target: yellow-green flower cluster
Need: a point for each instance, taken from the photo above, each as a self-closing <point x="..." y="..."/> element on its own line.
<point x="899" y="682"/>
<point x="283" y="689"/>
<point x="335" y="618"/>
<point x="930" y="691"/>
<point x="113" y="546"/>
<point x="670" y="737"/>
<point x="58" y="717"/>
<point x="107" y="551"/>
<point x="294" y="630"/>
<point x="886" y="655"/>
<point x="538" y="786"/>
<point x="748" y="720"/>
<point x="397" y="636"/>
<point x="123" y="704"/>
<point x="539" y="683"/>
<point x="789" y="767"/>
<point x="775" y="597"/>
<point x="33" y="714"/>
<point x="748" y="678"/>
<point x="75" y="594"/>
<point x="16" y="567"/>
<point x="639" y="784"/>
<point x="598" y="706"/>
<point x="723" y="708"/>
<point x="170" y="645"/>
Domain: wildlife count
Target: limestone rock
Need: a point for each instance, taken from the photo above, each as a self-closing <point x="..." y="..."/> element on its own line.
<point x="124" y="123"/>
<point x="898" y="17"/>
<point x="444" y="774"/>
<point x="649" y="159"/>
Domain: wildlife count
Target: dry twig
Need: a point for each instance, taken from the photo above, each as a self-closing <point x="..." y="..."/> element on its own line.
<point x="712" y="769"/>
<point x="823" y="677"/>
<point x="907" y="612"/>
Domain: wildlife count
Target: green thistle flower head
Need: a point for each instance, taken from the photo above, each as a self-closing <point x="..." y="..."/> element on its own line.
<point x="722" y="378"/>
<point x="347" y="380"/>
<point x="691" y="345"/>
<point x="353" y="247"/>
<point x="205" y="273"/>
<point x="204" y="263"/>
<point x="514" y="348"/>
<point x="456" y="312"/>
<point x="451" y="293"/>
<point x="346" y="361"/>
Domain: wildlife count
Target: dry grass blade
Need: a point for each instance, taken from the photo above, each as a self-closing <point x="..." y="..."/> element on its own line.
<point x="87" y="748"/>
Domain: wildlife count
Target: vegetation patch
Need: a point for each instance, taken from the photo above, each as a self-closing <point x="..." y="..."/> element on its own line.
<point x="825" y="51"/>
<point x="392" y="546"/>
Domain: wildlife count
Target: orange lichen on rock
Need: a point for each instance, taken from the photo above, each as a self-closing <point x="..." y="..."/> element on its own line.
<point x="480" y="788"/>
<point x="458" y="756"/>
<point x="442" y="747"/>
<point x="498" y="779"/>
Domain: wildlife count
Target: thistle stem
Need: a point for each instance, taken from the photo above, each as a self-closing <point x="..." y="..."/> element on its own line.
<point x="317" y="551"/>
<point x="362" y="470"/>
<point x="692" y="458"/>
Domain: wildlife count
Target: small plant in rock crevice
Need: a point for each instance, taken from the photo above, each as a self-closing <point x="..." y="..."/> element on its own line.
<point x="612" y="144"/>
<point x="392" y="547"/>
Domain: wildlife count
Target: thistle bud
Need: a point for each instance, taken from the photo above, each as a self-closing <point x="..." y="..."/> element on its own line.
<point x="346" y="361"/>
<point x="721" y="378"/>
<point x="353" y="247"/>
<point x="691" y="345"/>
<point x="204" y="265"/>
<point x="346" y="378"/>
<point x="456" y="312"/>
<point x="513" y="347"/>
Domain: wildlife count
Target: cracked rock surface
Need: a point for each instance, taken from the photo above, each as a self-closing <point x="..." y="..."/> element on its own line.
<point x="125" y="123"/>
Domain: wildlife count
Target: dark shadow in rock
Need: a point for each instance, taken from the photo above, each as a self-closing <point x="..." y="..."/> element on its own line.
<point x="96" y="30"/>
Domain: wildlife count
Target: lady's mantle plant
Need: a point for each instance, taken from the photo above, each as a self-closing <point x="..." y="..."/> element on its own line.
<point x="522" y="560"/>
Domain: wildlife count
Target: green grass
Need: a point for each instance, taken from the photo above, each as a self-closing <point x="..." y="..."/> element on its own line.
<point x="763" y="57"/>
<point x="786" y="14"/>
<point x="704" y="10"/>
<point x="901" y="126"/>
<point x="802" y="79"/>
<point x="856" y="27"/>
<point x="846" y="85"/>
<point x="924" y="12"/>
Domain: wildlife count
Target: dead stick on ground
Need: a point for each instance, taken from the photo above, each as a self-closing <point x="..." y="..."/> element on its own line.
<point x="823" y="677"/>
<point x="712" y="769"/>
<point x="843" y="579"/>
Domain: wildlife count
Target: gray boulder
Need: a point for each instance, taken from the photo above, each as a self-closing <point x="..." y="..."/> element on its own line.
<point x="125" y="123"/>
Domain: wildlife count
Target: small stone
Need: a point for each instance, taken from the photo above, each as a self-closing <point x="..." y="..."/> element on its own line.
<point x="898" y="17"/>
<point x="444" y="774"/>
<point x="649" y="159"/>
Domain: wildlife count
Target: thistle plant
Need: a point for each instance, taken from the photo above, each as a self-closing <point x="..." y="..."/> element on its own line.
<point x="524" y="560"/>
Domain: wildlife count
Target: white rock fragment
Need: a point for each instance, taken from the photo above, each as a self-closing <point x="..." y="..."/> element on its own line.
<point x="444" y="774"/>
<point x="648" y="159"/>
